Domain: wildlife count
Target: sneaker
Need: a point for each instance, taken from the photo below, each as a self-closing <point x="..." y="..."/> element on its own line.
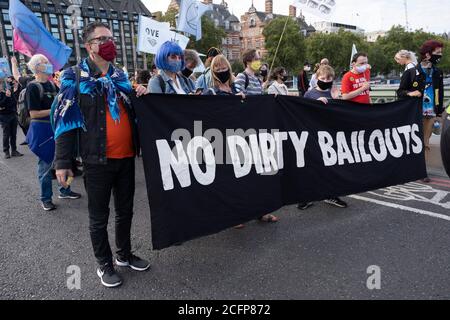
<point x="16" y="154"/>
<point x="134" y="263"/>
<point x="426" y="180"/>
<point x="304" y="205"/>
<point x="71" y="195"/>
<point x="7" y="155"/>
<point x="109" y="276"/>
<point x="336" y="202"/>
<point x="48" y="206"/>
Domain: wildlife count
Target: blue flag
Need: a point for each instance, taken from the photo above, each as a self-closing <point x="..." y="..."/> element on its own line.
<point x="190" y="18"/>
<point x="31" y="37"/>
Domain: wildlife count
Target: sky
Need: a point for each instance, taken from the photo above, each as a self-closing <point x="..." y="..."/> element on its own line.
<point x="371" y="15"/>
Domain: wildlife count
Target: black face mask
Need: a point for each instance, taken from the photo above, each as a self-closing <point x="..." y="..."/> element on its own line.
<point x="187" y="73"/>
<point x="284" y="78"/>
<point x="435" y="58"/>
<point x="223" y="76"/>
<point x="263" y="73"/>
<point x="324" y="85"/>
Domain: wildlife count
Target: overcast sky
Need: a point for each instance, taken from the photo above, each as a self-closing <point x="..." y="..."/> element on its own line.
<point x="371" y="15"/>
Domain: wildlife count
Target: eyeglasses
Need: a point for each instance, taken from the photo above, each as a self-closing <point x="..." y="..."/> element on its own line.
<point x="103" y="39"/>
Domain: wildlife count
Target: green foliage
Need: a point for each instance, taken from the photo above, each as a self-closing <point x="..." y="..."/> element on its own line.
<point x="211" y="37"/>
<point x="292" y="52"/>
<point x="337" y="48"/>
<point x="237" y="67"/>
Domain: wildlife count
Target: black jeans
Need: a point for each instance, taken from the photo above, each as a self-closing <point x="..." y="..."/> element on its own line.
<point x="9" y="126"/>
<point x="117" y="176"/>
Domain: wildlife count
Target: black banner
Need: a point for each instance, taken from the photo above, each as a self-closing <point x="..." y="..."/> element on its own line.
<point x="266" y="152"/>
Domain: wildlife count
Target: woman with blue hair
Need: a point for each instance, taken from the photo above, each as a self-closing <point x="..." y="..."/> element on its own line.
<point x="170" y="61"/>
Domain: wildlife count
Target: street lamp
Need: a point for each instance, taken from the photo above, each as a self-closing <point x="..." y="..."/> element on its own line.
<point x="75" y="12"/>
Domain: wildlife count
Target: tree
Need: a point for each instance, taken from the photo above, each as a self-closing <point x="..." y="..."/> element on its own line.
<point x="292" y="52"/>
<point x="211" y="37"/>
<point x="337" y="47"/>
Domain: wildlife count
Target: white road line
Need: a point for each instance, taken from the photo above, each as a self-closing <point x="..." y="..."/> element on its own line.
<point x="398" y="206"/>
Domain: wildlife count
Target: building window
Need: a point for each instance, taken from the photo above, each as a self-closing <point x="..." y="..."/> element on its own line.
<point x="53" y="19"/>
<point x="5" y="15"/>
<point x="36" y="6"/>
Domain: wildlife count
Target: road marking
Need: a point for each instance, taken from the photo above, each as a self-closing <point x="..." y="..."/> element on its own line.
<point x="404" y="208"/>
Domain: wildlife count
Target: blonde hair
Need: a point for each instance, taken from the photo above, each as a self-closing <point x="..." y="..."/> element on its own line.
<point x="326" y="71"/>
<point x="220" y="60"/>
<point x="35" y="60"/>
<point x="408" y="55"/>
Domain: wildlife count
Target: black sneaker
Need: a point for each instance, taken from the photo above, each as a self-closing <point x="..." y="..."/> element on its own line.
<point x="134" y="263"/>
<point x="16" y="154"/>
<point x="304" y="205"/>
<point x="24" y="143"/>
<point x="109" y="276"/>
<point x="72" y="195"/>
<point x="48" y="206"/>
<point x="7" y="155"/>
<point x="336" y="202"/>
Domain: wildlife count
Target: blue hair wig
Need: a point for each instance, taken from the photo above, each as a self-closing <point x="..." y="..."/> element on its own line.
<point x="168" y="48"/>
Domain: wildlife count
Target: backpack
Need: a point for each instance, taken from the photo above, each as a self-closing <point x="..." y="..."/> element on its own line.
<point x="247" y="80"/>
<point x="23" y="110"/>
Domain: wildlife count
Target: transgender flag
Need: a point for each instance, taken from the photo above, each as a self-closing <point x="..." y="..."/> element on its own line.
<point x="31" y="37"/>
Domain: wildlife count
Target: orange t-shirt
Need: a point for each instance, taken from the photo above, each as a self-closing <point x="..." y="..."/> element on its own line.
<point x="119" y="138"/>
<point x="352" y="82"/>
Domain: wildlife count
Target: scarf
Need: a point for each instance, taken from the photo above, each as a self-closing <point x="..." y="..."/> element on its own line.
<point x="66" y="114"/>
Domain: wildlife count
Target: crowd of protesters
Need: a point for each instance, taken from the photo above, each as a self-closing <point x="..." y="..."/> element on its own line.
<point x="103" y="134"/>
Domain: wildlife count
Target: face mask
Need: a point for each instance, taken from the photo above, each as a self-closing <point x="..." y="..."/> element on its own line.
<point x="361" y="69"/>
<point x="284" y="78"/>
<point x="435" y="58"/>
<point x="307" y="69"/>
<point x="186" y="72"/>
<point x="174" y="66"/>
<point x="263" y="73"/>
<point x="324" y="85"/>
<point x="108" y="51"/>
<point x="223" y="76"/>
<point x="256" y="65"/>
<point x="48" y="69"/>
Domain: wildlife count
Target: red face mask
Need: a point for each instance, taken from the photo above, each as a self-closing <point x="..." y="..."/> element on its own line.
<point x="108" y="51"/>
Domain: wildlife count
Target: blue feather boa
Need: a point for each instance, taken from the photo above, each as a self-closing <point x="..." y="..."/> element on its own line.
<point x="66" y="113"/>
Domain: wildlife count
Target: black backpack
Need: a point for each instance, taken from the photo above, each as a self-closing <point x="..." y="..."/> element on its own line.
<point x="23" y="110"/>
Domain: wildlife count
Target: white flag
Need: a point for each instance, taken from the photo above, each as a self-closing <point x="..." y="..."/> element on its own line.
<point x="354" y="51"/>
<point x="190" y="17"/>
<point x="321" y="8"/>
<point x="152" y="34"/>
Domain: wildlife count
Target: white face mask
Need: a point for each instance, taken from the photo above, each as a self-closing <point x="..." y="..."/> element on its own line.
<point x="307" y="69"/>
<point x="361" y="69"/>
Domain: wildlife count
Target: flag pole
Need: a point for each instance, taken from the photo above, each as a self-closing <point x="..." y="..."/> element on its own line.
<point x="279" y="43"/>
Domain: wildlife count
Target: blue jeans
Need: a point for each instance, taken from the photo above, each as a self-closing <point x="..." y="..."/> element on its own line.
<point x="45" y="181"/>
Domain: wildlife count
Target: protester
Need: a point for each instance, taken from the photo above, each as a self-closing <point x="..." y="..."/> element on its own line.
<point x="313" y="82"/>
<point x="8" y="116"/>
<point x="249" y="84"/>
<point x="356" y="82"/>
<point x="324" y="92"/>
<point x="104" y="122"/>
<point x="264" y="76"/>
<point x="39" y="97"/>
<point x="279" y="77"/>
<point x="170" y="62"/>
<point x="302" y="80"/>
<point x="412" y="83"/>
<point x="142" y="78"/>
<point x="223" y="79"/>
<point x="191" y="61"/>
<point x="433" y="96"/>
<point x="205" y="80"/>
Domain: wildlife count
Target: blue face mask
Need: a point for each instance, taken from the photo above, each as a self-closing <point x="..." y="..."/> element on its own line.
<point x="175" y="66"/>
<point x="48" y="69"/>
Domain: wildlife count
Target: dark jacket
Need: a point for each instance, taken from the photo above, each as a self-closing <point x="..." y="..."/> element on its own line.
<point x="412" y="80"/>
<point x="302" y="83"/>
<point x="8" y="105"/>
<point x="90" y="145"/>
<point x="438" y="85"/>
